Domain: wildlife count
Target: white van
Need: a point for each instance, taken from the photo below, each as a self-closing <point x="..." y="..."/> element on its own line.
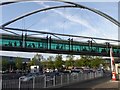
<point x="34" y="69"/>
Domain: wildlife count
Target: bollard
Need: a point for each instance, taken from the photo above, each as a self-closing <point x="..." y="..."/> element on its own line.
<point x="61" y="79"/>
<point x="45" y="82"/>
<point x="54" y="79"/>
<point x="94" y="74"/>
<point x="0" y="84"/>
<point x="84" y="76"/>
<point x="67" y="78"/>
<point x="33" y="83"/>
<point x="19" y="82"/>
<point x="91" y="75"/>
<point x="77" y="77"/>
<point x="88" y="75"/>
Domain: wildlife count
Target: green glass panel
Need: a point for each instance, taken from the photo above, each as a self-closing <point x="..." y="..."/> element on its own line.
<point x="53" y="46"/>
<point x="13" y="43"/>
<point x="0" y="42"/>
<point x="32" y="44"/>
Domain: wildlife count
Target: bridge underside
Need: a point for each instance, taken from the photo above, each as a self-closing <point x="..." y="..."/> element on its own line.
<point x="57" y="51"/>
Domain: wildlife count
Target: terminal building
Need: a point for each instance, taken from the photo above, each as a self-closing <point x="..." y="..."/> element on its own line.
<point x="12" y="59"/>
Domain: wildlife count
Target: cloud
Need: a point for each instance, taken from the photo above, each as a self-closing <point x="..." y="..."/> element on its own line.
<point x="101" y="30"/>
<point x="78" y="20"/>
<point x="74" y="19"/>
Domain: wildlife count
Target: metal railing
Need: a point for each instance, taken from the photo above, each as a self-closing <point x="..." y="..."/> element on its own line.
<point x="50" y="82"/>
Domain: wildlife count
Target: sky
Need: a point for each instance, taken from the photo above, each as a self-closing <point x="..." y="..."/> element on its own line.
<point x="66" y="20"/>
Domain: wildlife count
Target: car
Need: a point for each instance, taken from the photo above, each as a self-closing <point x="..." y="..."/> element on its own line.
<point x="4" y="72"/>
<point x="66" y="71"/>
<point x="77" y="70"/>
<point x="27" y="77"/>
<point x="86" y="70"/>
<point x="49" y="78"/>
<point x="30" y="76"/>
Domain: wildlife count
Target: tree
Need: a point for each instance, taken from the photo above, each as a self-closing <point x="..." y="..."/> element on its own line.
<point x="58" y="61"/>
<point x="79" y="63"/>
<point x="92" y="62"/>
<point x="18" y="63"/>
<point x="36" y="60"/>
<point x="87" y="61"/>
<point x="5" y="64"/>
<point x="69" y="61"/>
<point x="50" y="63"/>
<point x="84" y="59"/>
<point x="12" y="65"/>
<point x="44" y="64"/>
<point x="97" y="61"/>
<point x="39" y="57"/>
<point x="24" y="66"/>
<point x="33" y="62"/>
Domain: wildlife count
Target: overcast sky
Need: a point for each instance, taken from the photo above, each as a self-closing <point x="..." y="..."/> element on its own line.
<point x="66" y="20"/>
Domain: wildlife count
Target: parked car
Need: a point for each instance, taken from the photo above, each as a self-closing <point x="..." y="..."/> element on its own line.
<point x="76" y="71"/>
<point x="30" y="76"/>
<point x="4" y="72"/>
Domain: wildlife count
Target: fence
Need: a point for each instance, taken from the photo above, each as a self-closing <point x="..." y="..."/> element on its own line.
<point x="49" y="82"/>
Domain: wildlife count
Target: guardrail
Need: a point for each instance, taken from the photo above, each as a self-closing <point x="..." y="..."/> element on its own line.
<point x="50" y="82"/>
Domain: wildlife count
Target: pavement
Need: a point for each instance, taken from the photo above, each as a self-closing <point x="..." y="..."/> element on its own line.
<point x="96" y="84"/>
<point x="109" y="84"/>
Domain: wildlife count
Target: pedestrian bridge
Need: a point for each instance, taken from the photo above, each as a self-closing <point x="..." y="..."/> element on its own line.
<point x="49" y="45"/>
<point x="18" y="42"/>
